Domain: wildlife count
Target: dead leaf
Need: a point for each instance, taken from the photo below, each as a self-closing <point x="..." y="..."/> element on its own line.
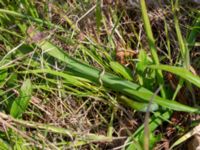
<point x="121" y="55"/>
<point x="35" y="35"/>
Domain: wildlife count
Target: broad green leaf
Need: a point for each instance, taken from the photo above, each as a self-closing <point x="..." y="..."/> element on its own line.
<point x="122" y="70"/>
<point x="20" y="104"/>
<point x="182" y="72"/>
<point x="110" y="81"/>
<point x="139" y="106"/>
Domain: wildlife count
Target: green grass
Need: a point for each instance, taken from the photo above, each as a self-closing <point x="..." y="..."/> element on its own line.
<point x="63" y="87"/>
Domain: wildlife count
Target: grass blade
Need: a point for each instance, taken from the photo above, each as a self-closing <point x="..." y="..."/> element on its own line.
<point x="183" y="48"/>
<point x="37" y="20"/>
<point x="191" y="39"/>
<point x="182" y="72"/>
<point x="151" y="42"/>
<point x="194" y="131"/>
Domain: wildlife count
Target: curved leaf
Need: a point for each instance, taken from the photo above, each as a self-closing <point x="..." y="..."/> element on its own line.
<point x="21" y="103"/>
<point x="182" y="72"/>
<point x="110" y="81"/>
<point x="122" y="70"/>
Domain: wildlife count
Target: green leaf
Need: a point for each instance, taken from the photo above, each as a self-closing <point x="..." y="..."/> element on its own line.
<point x="68" y="78"/>
<point x="98" y="14"/>
<point x="152" y="46"/>
<point x="21" y="103"/>
<point x="181" y="40"/>
<point x="24" y="16"/>
<point x="193" y="34"/>
<point x="120" y="69"/>
<point x="152" y="139"/>
<point x="3" y="76"/>
<point x="143" y="75"/>
<point x="4" y="145"/>
<point x="155" y="121"/>
<point x="139" y="106"/>
<point x="110" y="81"/>
<point x="182" y="72"/>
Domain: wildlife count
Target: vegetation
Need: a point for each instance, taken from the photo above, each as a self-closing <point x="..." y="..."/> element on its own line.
<point x="99" y="74"/>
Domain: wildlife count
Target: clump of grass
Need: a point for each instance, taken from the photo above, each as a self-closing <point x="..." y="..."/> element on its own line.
<point x="62" y="87"/>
